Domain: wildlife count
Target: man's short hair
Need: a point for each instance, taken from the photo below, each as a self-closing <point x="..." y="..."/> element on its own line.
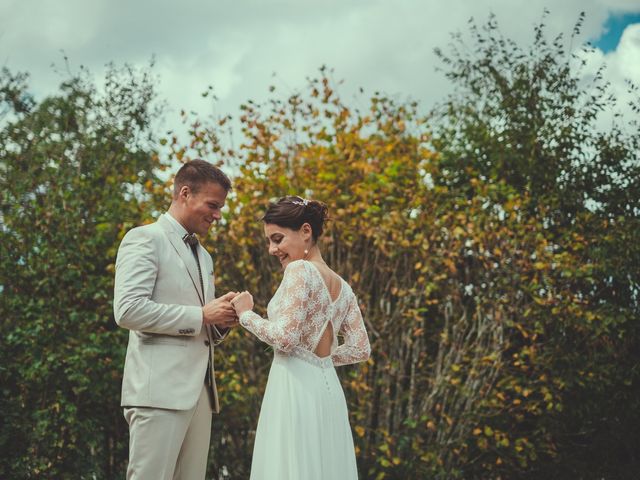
<point x="196" y="173"/>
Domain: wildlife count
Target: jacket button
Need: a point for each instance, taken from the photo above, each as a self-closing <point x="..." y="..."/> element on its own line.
<point x="206" y="342"/>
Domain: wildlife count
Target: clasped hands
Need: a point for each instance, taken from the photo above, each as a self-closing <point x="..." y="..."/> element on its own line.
<point x="225" y="310"/>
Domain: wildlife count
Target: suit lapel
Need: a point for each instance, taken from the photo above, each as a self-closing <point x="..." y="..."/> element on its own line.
<point x="208" y="274"/>
<point x="183" y="252"/>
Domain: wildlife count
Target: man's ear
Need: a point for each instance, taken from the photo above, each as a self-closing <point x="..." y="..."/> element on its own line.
<point x="184" y="192"/>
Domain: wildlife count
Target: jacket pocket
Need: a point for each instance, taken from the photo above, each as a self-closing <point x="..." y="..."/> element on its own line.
<point x="157" y="339"/>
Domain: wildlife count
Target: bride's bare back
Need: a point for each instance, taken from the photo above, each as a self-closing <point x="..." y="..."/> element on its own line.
<point x="334" y="287"/>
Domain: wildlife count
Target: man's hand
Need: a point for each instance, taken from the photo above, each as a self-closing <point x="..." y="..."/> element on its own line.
<point x="220" y="312"/>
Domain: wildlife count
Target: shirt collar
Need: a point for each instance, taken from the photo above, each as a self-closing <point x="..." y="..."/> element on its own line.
<point x="176" y="224"/>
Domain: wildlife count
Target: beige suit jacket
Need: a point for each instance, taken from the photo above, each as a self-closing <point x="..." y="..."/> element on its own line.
<point x="157" y="297"/>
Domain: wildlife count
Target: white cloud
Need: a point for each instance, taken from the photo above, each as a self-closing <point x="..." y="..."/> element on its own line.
<point x="626" y="58"/>
<point x="236" y="46"/>
<point x="621" y="65"/>
<point x="620" y="6"/>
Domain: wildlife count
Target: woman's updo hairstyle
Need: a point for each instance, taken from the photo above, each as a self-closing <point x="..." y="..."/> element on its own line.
<point x="293" y="212"/>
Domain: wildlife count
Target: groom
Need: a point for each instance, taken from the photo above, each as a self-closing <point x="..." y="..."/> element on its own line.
<point x="164" y="296"/>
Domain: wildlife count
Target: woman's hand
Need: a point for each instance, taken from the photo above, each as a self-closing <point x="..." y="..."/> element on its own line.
<point x="242" y="302"/>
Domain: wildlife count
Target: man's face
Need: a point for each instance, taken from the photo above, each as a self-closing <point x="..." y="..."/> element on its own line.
<point x="202" y="208"/>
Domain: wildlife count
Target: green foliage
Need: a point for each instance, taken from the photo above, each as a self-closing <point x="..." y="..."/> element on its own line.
<point x="524" y="118"/>
<point x="493" y="246"/>
<point x="70" y="165"/>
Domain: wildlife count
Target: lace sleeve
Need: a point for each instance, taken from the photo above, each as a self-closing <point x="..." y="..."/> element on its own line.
<point x="283" y="332"/>
<point x="356" y="347"/>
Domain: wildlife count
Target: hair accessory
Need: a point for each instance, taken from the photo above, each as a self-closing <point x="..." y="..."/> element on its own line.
<point x="304" y="202"/>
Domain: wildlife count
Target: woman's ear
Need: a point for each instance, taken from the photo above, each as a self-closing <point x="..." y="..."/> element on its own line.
<point x="306" y="230"/>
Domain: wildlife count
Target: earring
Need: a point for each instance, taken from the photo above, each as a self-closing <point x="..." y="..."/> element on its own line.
<point x="306" y="252"/>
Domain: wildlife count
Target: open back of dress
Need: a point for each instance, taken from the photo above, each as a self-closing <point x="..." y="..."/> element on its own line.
<point x="303" y="430"/>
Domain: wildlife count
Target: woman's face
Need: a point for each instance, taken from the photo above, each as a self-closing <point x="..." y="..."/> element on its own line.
<point x="286" y="244"/>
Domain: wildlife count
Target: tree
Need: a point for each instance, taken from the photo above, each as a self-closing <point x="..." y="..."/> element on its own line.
<point x="493" y="246"/>
<point x="449" y="288"/>
<point x="523" y="117"/>
<point x="73" y="169"/>
<point x="491" y="270"/>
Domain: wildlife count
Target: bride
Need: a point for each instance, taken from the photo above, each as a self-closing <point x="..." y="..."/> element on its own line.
<point x="303" y="431"/>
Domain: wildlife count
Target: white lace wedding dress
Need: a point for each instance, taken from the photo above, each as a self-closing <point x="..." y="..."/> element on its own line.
<point x="303" y="431"/>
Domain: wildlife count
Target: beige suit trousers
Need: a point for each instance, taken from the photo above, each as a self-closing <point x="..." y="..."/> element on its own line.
<point x="169" y="444"/>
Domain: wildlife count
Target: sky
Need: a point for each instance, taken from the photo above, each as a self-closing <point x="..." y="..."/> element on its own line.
<point x="614" y="28"/>
<point x="241" y="47"/>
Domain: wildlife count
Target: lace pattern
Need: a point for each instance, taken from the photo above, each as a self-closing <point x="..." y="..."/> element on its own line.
<point x="298" y="314"/>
